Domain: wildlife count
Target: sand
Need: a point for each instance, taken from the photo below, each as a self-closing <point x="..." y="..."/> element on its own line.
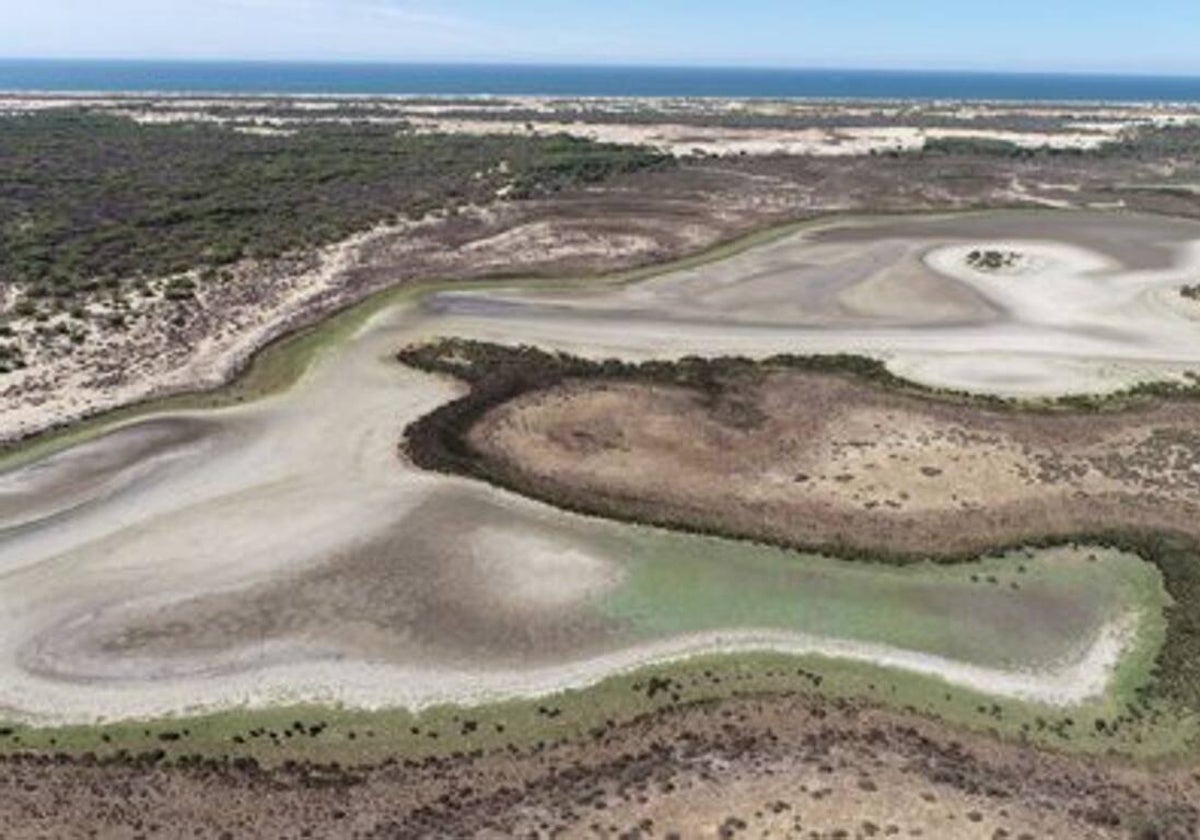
<point x="535" y="573"/>
<point x="684" y="140"/>
<point x="365" y="686"/>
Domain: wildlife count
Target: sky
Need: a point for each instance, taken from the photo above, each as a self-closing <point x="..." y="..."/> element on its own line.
<point x="1119" y="36"/>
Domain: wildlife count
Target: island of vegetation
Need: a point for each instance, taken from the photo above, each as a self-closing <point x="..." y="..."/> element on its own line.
<point x="835" y="454"/>
<point x="991" y="260"/>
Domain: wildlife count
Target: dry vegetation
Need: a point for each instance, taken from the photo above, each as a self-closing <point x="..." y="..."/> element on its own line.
<point x="808" y="459"/>
<point x="813" y="450"/>
<point x="784" y="766"/>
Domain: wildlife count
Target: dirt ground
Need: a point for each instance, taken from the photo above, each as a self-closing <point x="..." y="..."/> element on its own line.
<point x="752" y="767"/>
<point x="810" y="459"/>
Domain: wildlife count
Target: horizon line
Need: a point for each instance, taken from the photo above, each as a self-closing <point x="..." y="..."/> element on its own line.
<point x="607" y="64"/>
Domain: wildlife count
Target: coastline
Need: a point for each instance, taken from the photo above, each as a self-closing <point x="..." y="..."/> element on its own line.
<point x="824" y="85"/>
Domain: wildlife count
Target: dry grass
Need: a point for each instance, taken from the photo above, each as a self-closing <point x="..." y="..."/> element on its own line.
<point x="806" y="458"/>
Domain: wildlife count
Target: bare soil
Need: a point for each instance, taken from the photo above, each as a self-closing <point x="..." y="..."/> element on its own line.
<point x="817" y="459"/>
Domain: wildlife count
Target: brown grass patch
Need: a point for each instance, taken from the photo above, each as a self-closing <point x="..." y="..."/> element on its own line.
<point x="813" y="458"/>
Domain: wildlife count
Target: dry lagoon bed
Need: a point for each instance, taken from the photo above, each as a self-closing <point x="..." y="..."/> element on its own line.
<point x="1092" y="307"/>
<point x="280" y="552"/>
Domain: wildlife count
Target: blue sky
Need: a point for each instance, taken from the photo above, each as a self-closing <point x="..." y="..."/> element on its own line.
<point x="1147" y="36"/>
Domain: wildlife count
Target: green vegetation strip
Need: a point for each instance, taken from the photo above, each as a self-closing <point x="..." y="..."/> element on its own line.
<point x="1118" y="724"/>
<point x="1021" y="611"/>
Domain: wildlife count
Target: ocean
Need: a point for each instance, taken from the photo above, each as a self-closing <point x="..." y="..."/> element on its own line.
<point x="103" y="76"/>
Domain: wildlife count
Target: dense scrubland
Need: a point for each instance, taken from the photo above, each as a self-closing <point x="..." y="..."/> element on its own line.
<point x="91" y="201"/>
<point x="1138" y="144"/>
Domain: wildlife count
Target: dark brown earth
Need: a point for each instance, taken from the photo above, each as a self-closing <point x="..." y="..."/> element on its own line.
<point x="750" y="767"/>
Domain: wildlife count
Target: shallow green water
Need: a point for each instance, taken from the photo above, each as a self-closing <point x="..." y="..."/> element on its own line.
<point x="1017" y="611"/>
